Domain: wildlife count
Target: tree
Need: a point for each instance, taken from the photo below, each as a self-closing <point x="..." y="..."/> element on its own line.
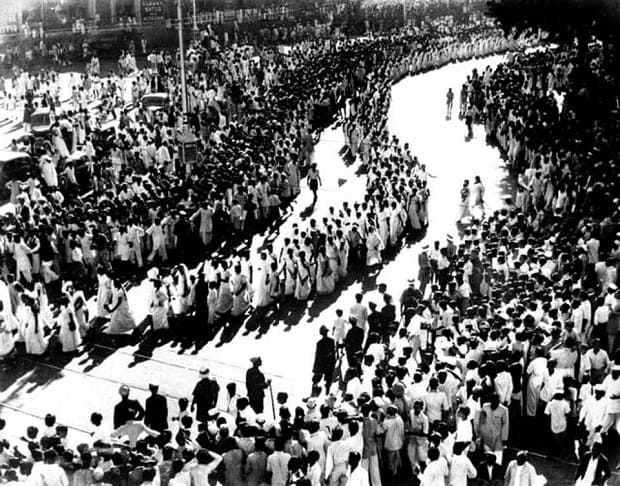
<point x="565" y="21"/>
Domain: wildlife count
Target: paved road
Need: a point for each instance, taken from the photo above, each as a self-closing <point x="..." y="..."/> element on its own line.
<point x="75" y="388"/>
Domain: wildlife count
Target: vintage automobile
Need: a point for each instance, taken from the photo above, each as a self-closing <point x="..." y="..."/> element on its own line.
<point x="14" y="166"/>
<point x="41" y="122"/>
<point x="155" y="101"/>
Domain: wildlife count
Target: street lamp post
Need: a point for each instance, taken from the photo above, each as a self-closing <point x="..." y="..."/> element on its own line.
<point x="195" y="22"/>
<point x="183" y="85"/>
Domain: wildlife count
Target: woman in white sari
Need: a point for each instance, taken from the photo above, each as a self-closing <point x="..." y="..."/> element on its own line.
<point x="465" y="199"/>
<point x="59" y="142"/>
<point x="69" y="332"/>
<point x="240" y="290"/>
<point x="263" y="299"/>
<point x="121" y="320"/>
<point x="104" y="292"/>
<point x="7" y="328"/>
<point x="374" y="246"/>
<point x="397" y="223"/>
<point x="333" y="257"/>
<point x="160" y="306"/>
<point x="324" y="275"/>
<point x="34" y="335"/>
<point x="290" y="273"/>
<point x="303" y="286"/>
<point x="181" y="302"/>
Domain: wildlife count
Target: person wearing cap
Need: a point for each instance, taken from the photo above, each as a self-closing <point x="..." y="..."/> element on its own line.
<point x="593" y="413"/>
<point x="394" y="440"/>
<point x="520" y="472"/>
<point x="127" y="409"/>
<point x="324" y="360"/>
<point x="492" y="426"/>
<point x="204" y="395"/>
<point x="424" y="269"/>
<point x="255" y="384"/>
<point x="156" y="410"/>
<point x="593" y="469"/>
<point x="596" y="361"/>
<point x="611" y="384"/>
<point x="353" y="341"/>
<point x="557" y="410"/>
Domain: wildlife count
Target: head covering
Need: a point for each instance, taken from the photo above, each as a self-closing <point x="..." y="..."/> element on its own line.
<point x="123" y="390"/>
<point x="204" y="371"/>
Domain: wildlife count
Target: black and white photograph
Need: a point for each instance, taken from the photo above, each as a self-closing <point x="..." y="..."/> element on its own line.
<point x="309" y="242"/>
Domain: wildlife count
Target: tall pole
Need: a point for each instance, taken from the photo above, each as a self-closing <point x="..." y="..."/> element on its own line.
<point x="195" y="23"/>
<point x="183" y="86"/>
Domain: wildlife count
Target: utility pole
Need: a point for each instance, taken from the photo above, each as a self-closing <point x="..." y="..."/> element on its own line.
<point x="195" y="23"/>
<point x="184" y="128"/>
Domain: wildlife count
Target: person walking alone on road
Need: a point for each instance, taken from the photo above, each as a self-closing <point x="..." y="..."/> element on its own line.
<point x="255" y="384"/>
<point x="449" y="102"/>
<point x="314" y="181"/>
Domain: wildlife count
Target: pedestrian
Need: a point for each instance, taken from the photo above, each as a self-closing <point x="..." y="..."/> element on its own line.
<point x="449" y="102"/>
<point x="127" y="409"/>
<point x="156" y="410"/>
<point x="205" y="395"/>
<point x="255" y="384"/>
<point x="557" y="410"/>
<point x="593" y="468"/>
<point x="324" y="360"/>
<point x="520" y="472"/>
<point x="314" y="181"/>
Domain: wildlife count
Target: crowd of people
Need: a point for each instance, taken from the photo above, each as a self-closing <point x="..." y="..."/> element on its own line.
<point x="254" y="123"/>
<point x="515" y="324"/>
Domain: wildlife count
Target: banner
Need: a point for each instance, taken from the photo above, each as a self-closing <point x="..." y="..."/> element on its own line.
<point x="152" y="10"/>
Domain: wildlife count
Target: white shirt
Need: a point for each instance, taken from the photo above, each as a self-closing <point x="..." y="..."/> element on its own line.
<point x="358" y="477"/>
<point x="435" y="473"/>
<point x="53" y="475"/>
<point x="461" y="468"/>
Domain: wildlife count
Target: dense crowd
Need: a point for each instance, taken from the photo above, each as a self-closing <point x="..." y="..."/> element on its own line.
<point x="254" y="124"/>
<point x="515" y="324"/>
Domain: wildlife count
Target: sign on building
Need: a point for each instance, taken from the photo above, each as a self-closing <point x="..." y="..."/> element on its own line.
<point x="152" y="10"/>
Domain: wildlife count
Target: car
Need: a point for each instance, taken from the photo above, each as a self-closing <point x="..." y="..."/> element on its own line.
<point x="103" y="137"/>
<point x="41" y="122"/>
<point x="82" y="173"/>
<point x="14" y="166"/>
<point x="155" y="101"/>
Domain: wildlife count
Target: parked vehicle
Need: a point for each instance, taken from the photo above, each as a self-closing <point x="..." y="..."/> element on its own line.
<point x="14" y="166"/>
<point x="41" y="122"/>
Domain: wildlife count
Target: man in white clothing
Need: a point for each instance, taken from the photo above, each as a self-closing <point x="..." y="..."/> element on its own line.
<point x="594" y="412"/>
<point x="51" y="473"/>
<point x="357" y="475"/>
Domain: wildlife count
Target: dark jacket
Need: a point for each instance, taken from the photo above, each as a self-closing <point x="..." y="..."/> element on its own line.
<point x="325" y="356"/>
<point x="354" y="339"/>
<point x="255" y="383"/>
<point x="127" y="410"/>
<point x="495" y="478"/>
<point x="156" y="413"/>
<point x="205" y="397"/>
<point x="602" y="468"/>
